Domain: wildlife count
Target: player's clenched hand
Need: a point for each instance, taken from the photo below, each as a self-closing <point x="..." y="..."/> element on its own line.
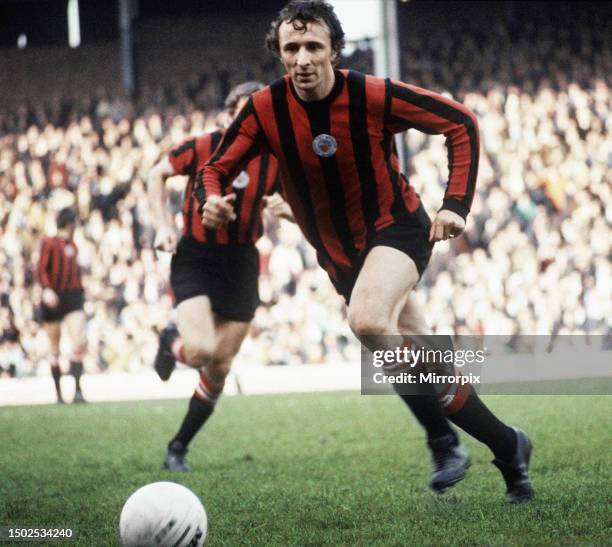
<point x="50" y="298"/>
<point x="218" y="211"/>
<point x="446" y="224"/>
<point x="166" y="238"/>
<point x="276" y="205"/>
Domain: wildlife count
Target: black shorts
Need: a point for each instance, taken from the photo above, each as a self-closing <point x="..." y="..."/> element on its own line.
<point x="227" y="274"/>
<point x="409" y="235"/>
<point x="69" y="301"/>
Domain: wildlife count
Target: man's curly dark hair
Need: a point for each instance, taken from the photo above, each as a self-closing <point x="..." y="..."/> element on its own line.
<point x="301" y="12"/>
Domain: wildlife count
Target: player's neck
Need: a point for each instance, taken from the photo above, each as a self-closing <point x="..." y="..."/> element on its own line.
<point x="320" y="92"/>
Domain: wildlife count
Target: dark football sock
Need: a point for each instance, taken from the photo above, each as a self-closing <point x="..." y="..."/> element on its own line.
<point x="197" y="414"/>
<point x="56" y="373"/>
<point x="468" y="412"/>
<point x="477" y="420"/>
<point x="76" y="369"/>
<point x="428" y="412"/>
<point x="422" y="400"/>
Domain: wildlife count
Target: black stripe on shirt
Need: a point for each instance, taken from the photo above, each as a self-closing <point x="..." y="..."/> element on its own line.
<point x="215" y="138"/>
<point x="318" y="116"/>
<point x="358" y="113"/>
<point x="60" y="272"/>
<point x="264" y="167"/>
<point x="294" y="163"/>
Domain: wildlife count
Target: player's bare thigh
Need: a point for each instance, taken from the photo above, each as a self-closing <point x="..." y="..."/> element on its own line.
<point x="196" y="326"/>
<point x="54" y="331"/>
<point x="75" y="324"/>
<point x="230" y="335"/>
<point x="208" y="338"/>
<point x="381" y="290"/>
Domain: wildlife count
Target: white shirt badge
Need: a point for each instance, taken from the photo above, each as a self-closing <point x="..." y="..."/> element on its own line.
<point x="241" y="181"/>
<point x="324" y="145"/>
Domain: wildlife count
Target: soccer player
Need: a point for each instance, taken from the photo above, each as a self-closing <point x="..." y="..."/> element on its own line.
<point x="62" y="299"/>
<point x="214" y="274"/>
<point x="332" y="132"/>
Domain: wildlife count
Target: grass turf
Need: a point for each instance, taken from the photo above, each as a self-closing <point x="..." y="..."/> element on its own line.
<point x="309" y="469"/>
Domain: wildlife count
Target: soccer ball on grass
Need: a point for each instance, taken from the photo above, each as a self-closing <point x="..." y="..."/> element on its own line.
<point x="163" y="514"/>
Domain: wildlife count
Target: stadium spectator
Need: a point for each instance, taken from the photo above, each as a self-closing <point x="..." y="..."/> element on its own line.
<point x="62" y="299"/>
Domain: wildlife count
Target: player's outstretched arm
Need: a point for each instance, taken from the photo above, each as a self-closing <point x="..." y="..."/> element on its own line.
<point x="411" y="107"/>
<point x="242" y="141"/>
<point x="166" y="237"/>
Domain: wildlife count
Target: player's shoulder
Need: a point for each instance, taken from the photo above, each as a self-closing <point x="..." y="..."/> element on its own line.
<point x="267" y="92"/>
<point x="366" y="85"/>
<point x="50" y="243"/>
<point x="205" y="146"/>
<point x="199" y="145"/>
<point x="354" y="78"/>
<point x="203" y="141"/>
<point x="186" y="144"/>
<point x="48" y="240"/>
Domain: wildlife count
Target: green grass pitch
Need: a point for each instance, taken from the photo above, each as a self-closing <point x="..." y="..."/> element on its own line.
<point x="309" y="469"/>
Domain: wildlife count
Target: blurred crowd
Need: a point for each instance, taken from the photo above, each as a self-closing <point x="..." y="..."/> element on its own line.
<point x="536" y="255"/>
<point x="534" y="258"/>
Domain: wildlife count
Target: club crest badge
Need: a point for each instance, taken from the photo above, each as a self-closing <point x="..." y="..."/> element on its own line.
<point x="241" y="181"/>
<point x="69" y="250"/>
<point x="324" y="145"/>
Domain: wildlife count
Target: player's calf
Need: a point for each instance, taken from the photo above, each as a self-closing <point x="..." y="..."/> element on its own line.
<point x="76" y="370"/>
<point x="56" y="374"/>
<point x="201" y="407"/>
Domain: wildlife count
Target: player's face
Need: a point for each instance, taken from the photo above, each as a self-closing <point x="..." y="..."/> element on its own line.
<point x="69" y="229"/>
<point x="307" y="57"/>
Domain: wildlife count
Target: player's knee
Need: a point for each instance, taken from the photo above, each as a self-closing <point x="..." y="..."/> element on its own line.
<point x="364" y="322"/>
<point x="80" y="348"/>
<point x="54" y="338"/>
<point x="54" y="345"/>
<point x="218" y="370"/>
<point x="199" y="351"/>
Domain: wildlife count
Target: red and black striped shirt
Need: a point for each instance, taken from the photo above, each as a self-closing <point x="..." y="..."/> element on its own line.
<point x="58" y="267"/>
<point x="259" y="178"/>
<point x="339" y="172"/>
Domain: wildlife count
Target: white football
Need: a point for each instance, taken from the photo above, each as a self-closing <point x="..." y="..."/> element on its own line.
<point x="163" y="514"/>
